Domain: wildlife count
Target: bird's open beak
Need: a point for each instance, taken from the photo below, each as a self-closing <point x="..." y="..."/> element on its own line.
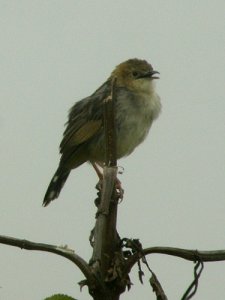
<point x="150" y="74"/>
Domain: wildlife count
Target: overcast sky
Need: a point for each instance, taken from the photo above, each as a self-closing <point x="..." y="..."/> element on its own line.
<point x="54" y="53"/>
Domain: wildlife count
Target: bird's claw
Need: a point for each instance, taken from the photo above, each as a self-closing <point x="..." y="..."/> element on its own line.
<point x="119" y="191"/>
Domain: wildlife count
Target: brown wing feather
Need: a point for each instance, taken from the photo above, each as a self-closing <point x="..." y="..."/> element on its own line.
<point x="85" y="121"/>
<point x="84" y="133"/>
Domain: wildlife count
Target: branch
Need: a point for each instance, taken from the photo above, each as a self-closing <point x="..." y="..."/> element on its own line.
<point x="62" y="251"/>
<point x="105" y="227"/>
<point x="192" y="289"/>
<point x="157" y="288"/>
<point x="110" y="127"/>
<point x="191" y="255"/>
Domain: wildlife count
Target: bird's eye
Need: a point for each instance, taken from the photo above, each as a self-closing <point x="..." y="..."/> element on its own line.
<point x="135" y="73"/>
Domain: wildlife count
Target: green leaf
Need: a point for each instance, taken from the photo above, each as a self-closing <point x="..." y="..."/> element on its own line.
<point x="59" y="297"/>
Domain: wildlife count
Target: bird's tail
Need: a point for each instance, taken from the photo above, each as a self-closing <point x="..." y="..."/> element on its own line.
<point x="55" y="185"/>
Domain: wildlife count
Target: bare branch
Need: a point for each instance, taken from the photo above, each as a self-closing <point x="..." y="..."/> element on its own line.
<point x="157" y="288"/>
<point x="62" y="251"/>
<point x="191" y="255"/>
<point x="105" y="227"/>
<point x="110" y="127"/>
<point x="101" y="230"/>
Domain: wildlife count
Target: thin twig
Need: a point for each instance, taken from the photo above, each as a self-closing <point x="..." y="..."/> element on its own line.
<point x="59" y="250"/>
<point x="157" y="288"/>
<point x="204" y="256"/>
<point x="192" y="289"/>
<point x="136" y="248"/>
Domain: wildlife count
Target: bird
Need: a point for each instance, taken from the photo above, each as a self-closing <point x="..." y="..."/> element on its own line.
<point x="137" y="105"/>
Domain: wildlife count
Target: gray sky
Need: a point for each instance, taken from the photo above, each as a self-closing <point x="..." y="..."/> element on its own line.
<point x="53" y="53"/>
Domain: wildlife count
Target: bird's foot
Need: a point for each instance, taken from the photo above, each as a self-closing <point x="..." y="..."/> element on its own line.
<point x="119" y="191"/>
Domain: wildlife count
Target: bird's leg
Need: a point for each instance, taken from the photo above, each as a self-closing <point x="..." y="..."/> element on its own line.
<point x="118" y="184"/>
<point x="98" y="171"/>
<point x="99" y="184"/>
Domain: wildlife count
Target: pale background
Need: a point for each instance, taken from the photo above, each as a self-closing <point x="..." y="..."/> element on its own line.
<point x="54" y="53"/>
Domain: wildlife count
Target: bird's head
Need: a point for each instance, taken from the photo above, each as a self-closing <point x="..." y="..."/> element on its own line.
<point x="136" y="75"/>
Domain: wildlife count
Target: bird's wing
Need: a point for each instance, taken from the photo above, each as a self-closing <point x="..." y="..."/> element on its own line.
<point x="85" y="120"/>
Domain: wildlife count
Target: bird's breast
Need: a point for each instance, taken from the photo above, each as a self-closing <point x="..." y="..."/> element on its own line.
<point x="134" y="118"/>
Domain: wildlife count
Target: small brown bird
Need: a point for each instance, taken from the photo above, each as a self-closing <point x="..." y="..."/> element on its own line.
<point x="137" y="105"/>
